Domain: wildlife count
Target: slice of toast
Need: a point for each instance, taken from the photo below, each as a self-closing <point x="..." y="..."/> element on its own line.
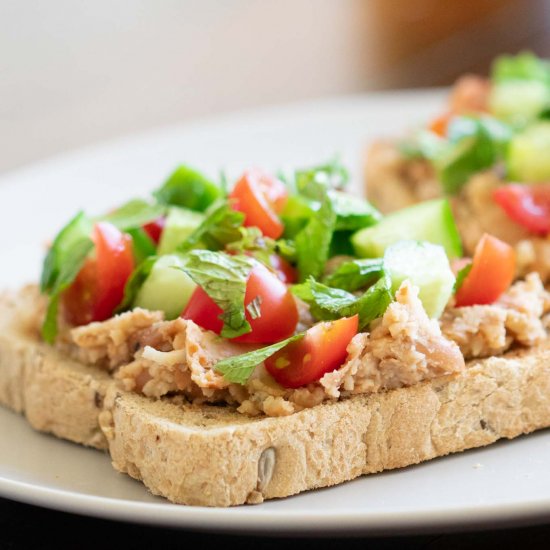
<point x="214" y="456"/>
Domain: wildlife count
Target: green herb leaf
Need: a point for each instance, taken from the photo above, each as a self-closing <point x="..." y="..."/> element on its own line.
<point x="134" y="214"/>
<point x="356" y="274"/>
<point x="74" y="258"/>
<point x="353" y="212"/>
<point x="188" y="188"/>
<point x="142" y="245"/>
<point x="524" y="66"/>
<point x="333" y="175"/>
<point x="327" y="304"/>
<point x="474" y="144"/>
<point x="221" y="226"/>
<point x="313" y="241"/>
<point x="224" y="279"/>
<point x="77" y="228"/>
<point x="135" y="282"/>
<point x="460" y="276"/>
<point x="239" y="368"/>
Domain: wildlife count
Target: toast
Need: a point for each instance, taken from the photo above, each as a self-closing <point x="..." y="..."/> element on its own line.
<point x="214" y="456"/>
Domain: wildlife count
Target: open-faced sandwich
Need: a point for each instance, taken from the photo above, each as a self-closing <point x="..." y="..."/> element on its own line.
<point x="488" y="153"/>
<point x="229" y="346"/>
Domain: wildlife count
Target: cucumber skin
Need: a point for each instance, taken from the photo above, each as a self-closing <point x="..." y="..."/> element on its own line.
<point x="430" y="221"/>
<point x="166" y="288"/>
<point x="518" y="101"/>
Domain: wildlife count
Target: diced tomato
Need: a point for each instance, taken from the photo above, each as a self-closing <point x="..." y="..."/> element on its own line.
<point x="440" y="124"/>
<point x="527" y="205"/>
<point x="154" y="229"/>
<point x="323" y="349"/>
<point x="285" y="271"/>
<point x="278" y="314"/>
<point x="99" y="287"/>
<point x="493" y="270"/>
<point x="260" y="196"/>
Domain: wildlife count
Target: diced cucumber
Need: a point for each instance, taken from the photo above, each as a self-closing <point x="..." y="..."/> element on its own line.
<point x="427" y="221"/>
<point x="180" y="223"/>
<point x="426" y="266"/>
<point x="519" y="101"/>
<point x="528" y="155"/>
<point x="166" y="288"/>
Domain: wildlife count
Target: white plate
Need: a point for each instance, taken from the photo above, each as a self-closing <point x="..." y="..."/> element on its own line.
<point x="508" y="482"/>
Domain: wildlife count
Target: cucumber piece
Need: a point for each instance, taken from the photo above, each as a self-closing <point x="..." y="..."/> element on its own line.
<point x="528" y="158"/>
<point x="427" y="221"/>
<point x="426" y="266"/>
<point x="166" y="288"/>
<point x="519" y="101"/>
<point x="180" y="223"/>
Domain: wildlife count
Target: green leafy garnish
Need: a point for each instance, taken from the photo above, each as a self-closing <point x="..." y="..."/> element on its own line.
<point x="355" y="274"/>
<point x="524" y="66"/>
<point x="223" y="278"/>
<point x="474" y="144"/>
<point x="313" y="241"/>
<point x="135" y="282"/>
<point x="142" y="245"/>
<point x="333" y="175"/>
<point x="253" y="243"/>
<point x="220" y="227"/>
<point x="134" y="214"/>
<point x="74" y="258"/>
<point x="189" y="189"/>
<point x="239" y="368"/>
<point x="352" y="212"/>
<point x="460" y="276"/>
<point x="327" y="303"/>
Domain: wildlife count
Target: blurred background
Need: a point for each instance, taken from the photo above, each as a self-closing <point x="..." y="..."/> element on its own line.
<point x="75" y="72"/>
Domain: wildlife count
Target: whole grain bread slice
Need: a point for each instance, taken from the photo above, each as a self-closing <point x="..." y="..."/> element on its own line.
<point x="214" y="456"/>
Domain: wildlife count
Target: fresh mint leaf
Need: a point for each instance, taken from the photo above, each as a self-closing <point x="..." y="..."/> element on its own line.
<point x="74" y="257"/>
<point x="223" y="278"/>
<point x="239" y="368"/>
<point x="333" y="175"/>
<point x="189" y="189"/>
<point x="134" y="214"/>
<point x="327" y="303"/>
<point x="135" y="282"/>
<point x="77" y="228"/>
<point x="142" y="245"/>
<point x="356" y="274"/>
<point x="460" y="276"/>
<point x="474" y="144"/>
<point x="313" y="241"/>
<point x="353" y="213"/>
<point x="221" y="226"/>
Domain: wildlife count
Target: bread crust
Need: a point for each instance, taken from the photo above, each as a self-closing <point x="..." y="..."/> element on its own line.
<point x="214" y="456"/>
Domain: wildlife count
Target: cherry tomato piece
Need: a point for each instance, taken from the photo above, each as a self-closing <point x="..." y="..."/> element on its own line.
<point x="323" y="349"/>
<point x="285" y="271"/>
<point x="493" y="270"/>
<point x="527" y="205"/>
<point x="99" y="287"/>
<point x="154" y="229"/>
<point x="440" y="124"/>
<point x="259" y="197"/>
<point x="265" y="294"/>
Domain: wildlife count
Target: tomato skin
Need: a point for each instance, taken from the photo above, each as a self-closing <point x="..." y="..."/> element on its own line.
<point x="99" y="286"/>
<point x="285" y="271"/>
<point x="440" y="124"/>
<point x="527" y="205"/>
<point x="259" y="197"/>
<point x="279" y="314"/>
<point x="493" y="270"/>
<point x="154" y="229"/>
<point x="323" y="349"/>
